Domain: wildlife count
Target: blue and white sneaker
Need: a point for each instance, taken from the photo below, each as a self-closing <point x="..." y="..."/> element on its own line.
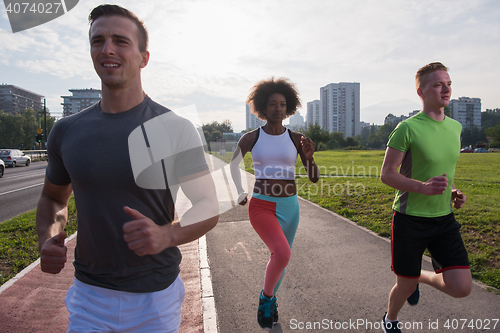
<point x="274" y="310"/>
<point x="267" y="311"/>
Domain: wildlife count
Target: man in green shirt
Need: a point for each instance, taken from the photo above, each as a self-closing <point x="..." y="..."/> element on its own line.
<point x="426" y="147"/>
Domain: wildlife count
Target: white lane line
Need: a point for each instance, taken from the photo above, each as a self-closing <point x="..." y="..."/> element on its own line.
<point x="207" y="294"/>
<point x="20" y="189"/>
<point x="23" y="175"/>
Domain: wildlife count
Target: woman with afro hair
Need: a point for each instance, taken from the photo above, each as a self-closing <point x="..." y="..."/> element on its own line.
<point x="274" y="207"/>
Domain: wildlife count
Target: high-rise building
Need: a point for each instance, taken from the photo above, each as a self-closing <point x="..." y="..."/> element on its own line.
<point x="251" y="120"/>
<point x="15" y="100"/>
<point x="340" y="108"/>
<point x="467" y="111"/>
<point x="79" y="100"/>
<point x="313" y="112"/>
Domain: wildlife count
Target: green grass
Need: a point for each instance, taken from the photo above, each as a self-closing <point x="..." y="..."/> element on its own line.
<point x="19" y="241"/>
<point x="350" y="186"/>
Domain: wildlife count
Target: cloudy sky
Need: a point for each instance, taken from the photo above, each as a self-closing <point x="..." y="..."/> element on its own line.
<point x="211" y="52"/>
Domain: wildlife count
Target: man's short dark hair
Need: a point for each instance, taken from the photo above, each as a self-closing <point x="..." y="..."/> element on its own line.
<point x="422" y="73"/>
<point x="111" y="10"/>
<point x="264" y="89"/>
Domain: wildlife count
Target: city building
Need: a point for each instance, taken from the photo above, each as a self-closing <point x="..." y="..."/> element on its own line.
<point x="296" y="122"/>
<point x="15" y="100"/>
<point x="313" y="112"/>
<point x="390" y="118"/>
<point x="340" y="108"/>
<point x="363" y="124"/>
<point x="80" y="99"/>
<point x="467" y="111"/>
<point x="251" y="120"/>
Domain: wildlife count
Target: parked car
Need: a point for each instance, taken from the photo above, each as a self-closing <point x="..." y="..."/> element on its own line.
<point x="2" y="168"/>
<point x="494" y="150"/>
<point x="14" y="157"/>
<point x="466" y="150"/>
<point x="480" y="150"/>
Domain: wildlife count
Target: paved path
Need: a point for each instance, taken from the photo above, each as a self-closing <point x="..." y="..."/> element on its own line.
<point x="338" y="280"/>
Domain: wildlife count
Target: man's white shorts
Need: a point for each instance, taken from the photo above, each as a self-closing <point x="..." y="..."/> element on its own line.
<point x="94" y="309"/>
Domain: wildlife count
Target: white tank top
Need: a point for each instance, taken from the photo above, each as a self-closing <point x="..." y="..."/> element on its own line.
<point x="274" y="156"/>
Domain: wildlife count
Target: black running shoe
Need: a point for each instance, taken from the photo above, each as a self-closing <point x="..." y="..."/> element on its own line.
<point x="413" y="299"/>
<point x="390" y="327"/>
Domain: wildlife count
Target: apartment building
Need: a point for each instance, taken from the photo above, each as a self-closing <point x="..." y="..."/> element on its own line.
<point x="79" y="100"/>
<point x="15" y="100"/>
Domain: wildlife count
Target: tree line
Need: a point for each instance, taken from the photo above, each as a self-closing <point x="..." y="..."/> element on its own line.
<point x="19" y="130"/>
<point x="490" y="128"/>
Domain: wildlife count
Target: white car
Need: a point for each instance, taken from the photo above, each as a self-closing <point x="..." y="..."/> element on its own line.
<point x="14" y="157"/>
<point x="2" y="168"/>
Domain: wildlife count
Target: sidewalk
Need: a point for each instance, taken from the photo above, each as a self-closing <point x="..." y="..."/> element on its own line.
<point x="35" y="302"/>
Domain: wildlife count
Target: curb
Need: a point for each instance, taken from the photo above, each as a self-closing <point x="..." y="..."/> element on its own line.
<point x="25" y="271"/>
<point x="207" y="294"/>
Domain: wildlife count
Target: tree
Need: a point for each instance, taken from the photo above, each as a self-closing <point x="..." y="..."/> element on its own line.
<point x="336" y="141"/>
<point x="365" y="132"/>
<point x="490" y="118"/>
<point x="223" y="127"/>
<point x="374" y="142"/>
<point x="494" y="133"/>
<point x="213" y="131"/>
<point x="472" y="136"/>
<point x="19" y="130"/>
<point x="384" y="131"/>
<point x="216" y="135"/>
<point x="351" y="142"/>
<point x="317" y="134"/>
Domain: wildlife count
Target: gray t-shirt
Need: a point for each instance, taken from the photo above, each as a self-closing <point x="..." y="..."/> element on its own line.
<point x="115" y="160"/>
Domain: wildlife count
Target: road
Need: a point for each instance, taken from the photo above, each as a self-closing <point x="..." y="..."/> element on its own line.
<point x="20" y="189"/>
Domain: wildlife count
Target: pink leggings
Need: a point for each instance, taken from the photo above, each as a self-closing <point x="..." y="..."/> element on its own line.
<point x="275" y="220"/>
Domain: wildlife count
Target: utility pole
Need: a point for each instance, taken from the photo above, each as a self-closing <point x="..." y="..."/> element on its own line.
<point x="45" y="124"/>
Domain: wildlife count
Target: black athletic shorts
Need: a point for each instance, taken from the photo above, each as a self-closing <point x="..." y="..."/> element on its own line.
<point x="411" y="235"/>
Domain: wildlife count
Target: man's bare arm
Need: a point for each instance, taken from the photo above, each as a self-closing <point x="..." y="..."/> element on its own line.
<point x="51" y="217"/>
<point x="389" y="175"/>
<point x="146" y="237"/>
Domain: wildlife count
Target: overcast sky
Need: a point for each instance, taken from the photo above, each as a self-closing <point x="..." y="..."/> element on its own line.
<point x="211" y="52"/>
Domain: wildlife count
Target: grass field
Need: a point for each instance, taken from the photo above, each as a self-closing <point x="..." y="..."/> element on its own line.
<point x="350" y="187"/>
<point x="19" y="241"/>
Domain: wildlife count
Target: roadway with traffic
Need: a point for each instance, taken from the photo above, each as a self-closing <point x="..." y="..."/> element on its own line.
<point x="20" y="188"/>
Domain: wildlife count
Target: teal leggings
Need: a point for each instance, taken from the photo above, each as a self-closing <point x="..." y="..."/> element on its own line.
<point x="275" y="220"/>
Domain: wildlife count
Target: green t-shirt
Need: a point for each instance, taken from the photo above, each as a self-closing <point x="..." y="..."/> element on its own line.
<point x="432" y="149"/>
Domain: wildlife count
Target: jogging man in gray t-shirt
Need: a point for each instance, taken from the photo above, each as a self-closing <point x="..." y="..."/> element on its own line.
<point x="124" y="159"/>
